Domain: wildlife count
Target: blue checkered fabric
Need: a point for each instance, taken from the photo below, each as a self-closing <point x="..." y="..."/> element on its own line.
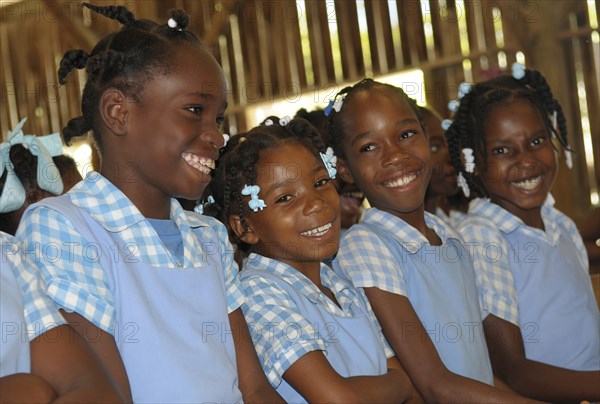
<point x="44" y="315"/>
<point x="484" y="233"/>
<point x="270" y="312"/>
<point x="69" y="264"/>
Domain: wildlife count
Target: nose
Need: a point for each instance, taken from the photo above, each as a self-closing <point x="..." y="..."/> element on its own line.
<point x="314" y="203"/>
<point x="213" y="137"/>
<point x="393" y="154"/>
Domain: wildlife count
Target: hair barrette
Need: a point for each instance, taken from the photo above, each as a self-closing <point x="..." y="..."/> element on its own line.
<point x="254" y="203"/>
<point x="330" y="162"/>
<point x="462" y="183"/>
<point x="199" y="208"/>
<point x="446" y="123"/>
<point x="518" y="70"/>
<point x="464" y="89"/>
<point x="268" y="122"/>
<point x="284" y="120"/>
<point x="173" y="24"/>
<point x="453" y="105"/>
<point x="48" y="177"/>
<point x="335" y="104"/>
<point x="225" y="139"/>
<point x="469" y="160"/>
<point x="569" y="159"/>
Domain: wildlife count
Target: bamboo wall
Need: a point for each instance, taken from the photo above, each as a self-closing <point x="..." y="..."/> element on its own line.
<point x="271" y="48"/>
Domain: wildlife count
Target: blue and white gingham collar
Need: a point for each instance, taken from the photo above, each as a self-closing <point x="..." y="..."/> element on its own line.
<point x="114" y="211"/>
<point x="507" y="222"/>
<point x="410" y="238"/>
<point x="341" y="288"/>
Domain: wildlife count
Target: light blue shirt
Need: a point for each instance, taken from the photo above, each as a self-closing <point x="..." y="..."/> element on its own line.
<point x="17" y="279"/>
<point x="384" y="252"/>
<point x="537" y="280"/>
<point x="100" y="257"/>
<point x="289" y="316"/>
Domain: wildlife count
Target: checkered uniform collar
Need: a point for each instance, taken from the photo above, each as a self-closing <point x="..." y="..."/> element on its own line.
<point x="507" y="222"/>
<point x="114" y="211"/>
<point x="410" y="238"/>
<point x="341" y="288"/>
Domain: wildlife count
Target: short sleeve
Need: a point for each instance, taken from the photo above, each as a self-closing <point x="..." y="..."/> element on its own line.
<point x="368" y="262"/>
<point x="67" y="271"/>
<point x="280" y="333"/>
<point x="575" y="236"/>
<point x="489" y="253"/>
<point x="235" y="294"/>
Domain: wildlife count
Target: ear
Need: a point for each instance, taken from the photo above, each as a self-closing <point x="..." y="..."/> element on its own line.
<point x="113" y="111"/>
<point x="344" y="173"/>
<point x="249" y="236"/>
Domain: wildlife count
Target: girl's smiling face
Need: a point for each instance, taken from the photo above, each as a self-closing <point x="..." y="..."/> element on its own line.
<point x="386" y="150"/>
<point x="521" y="163"/>
<point x="173" y="135"/>
<point x="301" y="223"/>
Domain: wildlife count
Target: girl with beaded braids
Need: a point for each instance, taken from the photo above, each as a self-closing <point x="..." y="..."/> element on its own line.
<point x="152" y="288"/>
<point x="543" y="324"/>
<point x="410" y="263"/>
<point x="315" y="335"/>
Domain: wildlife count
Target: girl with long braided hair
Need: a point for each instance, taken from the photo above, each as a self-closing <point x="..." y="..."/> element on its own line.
<point x="151" y="287"/>
<point x="542" y="325"/>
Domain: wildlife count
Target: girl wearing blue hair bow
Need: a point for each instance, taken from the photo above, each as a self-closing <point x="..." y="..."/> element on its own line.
<point x="315" y="334"/>
<point x="28" y="173"/>
<point x="543" y="324"/>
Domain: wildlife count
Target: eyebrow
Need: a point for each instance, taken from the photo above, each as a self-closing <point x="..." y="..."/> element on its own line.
<point x="283" y="184"/>
<point x="205" y="96"/>
<point x="401" y="123"/>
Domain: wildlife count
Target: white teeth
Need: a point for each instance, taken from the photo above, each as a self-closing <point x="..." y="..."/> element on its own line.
<point x="529" y="184"/>
<point x="401" y="181"/>
<point x="356" y="195"/>
<point x="202" y="164"/>
<point x="319" y="231"/>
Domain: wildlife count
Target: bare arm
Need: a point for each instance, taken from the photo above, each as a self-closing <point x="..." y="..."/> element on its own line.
<point x="419" y="357"/>
<point x="61" y="357"/>
<point x="531" y="378"/>
<point x="253" y="383"/>
<point x="25" y="387"/>
<point x="105" y="349"/>
<point x="314" y="378"/>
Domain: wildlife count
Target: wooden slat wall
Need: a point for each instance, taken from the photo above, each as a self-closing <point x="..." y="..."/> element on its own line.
<point x="260" y="46"/>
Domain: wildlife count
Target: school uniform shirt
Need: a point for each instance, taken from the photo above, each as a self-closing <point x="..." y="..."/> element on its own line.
<point x="385" y="252"/>
<point x="537" y="280"/>
<point x="454" y="219"/>
<point x="289" y="316"/>
<point x="101" y="258"/>
<point x="16" y="280"/>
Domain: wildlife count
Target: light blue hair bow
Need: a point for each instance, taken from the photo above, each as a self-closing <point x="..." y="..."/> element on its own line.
<point x="255" y="203"/>
<point x="48" y="176"/>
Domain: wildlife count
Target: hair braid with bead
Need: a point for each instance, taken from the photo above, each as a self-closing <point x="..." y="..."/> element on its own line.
<point x="336" y="121"/>
<point x="237" y="165"/>
<point x="126" y="59"/>
<point x="467" y="129"/>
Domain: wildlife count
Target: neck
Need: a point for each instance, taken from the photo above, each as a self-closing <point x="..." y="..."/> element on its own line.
<point x="149" y="201"/>
<point x="533" y="219"/>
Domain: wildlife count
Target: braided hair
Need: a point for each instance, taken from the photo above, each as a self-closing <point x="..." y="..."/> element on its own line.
<point x="467" y="129"/>
<point x="125" y="59"/>
<point x="237" y="165"/>
<point x="336" y="121"/>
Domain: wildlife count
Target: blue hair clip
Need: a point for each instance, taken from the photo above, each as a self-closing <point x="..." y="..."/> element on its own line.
<point x="446" y="123"/>
<point x="463" y="90"/>
<point x="255" y="203"/>
<point x="518" y="70"/>
<point x="330" y="161"/>
<point x="335" y="104"/>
